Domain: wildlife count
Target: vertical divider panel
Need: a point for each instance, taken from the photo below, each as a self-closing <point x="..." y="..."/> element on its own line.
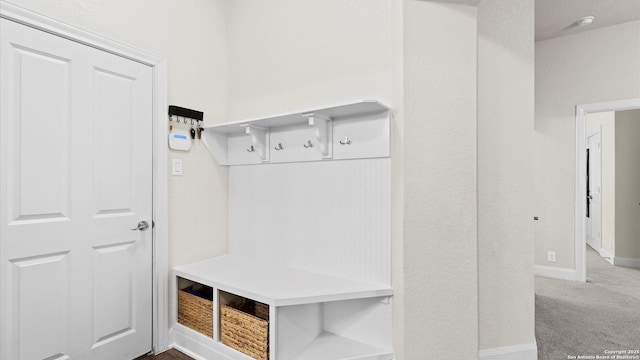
<point x="173" y="290"/>
<point x="273" y="325"/>
<point x="216" y="315"/>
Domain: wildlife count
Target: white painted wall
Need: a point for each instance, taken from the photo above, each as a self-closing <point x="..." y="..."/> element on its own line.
<point x="289" y="55"/>
<point x="605" y="122"/>
<point x="627" y="221"/>
<point x="396" y="13"/>
<point x="588" y="67"/>
<point x="419" y="57"/>
<point x="440" y="207"/>
<point x="192" y="36"/>
<point x="505" y="199"/>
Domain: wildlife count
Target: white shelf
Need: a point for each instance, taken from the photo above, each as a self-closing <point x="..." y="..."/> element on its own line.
<point x="329" y="346"/>
<point x="357" y="130"/>
<point x="337" y="112"/>
<point x="275" y="285"/>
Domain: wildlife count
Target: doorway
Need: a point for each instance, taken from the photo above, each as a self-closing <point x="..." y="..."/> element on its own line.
<point x="40" y="189"/>
<point x="582" y="200"/>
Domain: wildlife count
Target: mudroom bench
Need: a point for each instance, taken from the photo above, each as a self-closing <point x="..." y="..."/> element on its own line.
<point x="308" y="270"/>
<point x="310" y="315"/>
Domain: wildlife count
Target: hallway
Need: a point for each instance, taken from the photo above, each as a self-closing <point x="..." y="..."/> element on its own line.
<point x="574" y="318"/>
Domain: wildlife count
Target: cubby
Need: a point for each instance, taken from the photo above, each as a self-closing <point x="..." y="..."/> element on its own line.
<point x="315" y="316"/>
<point x="309" y="237"/>
<point x="195" y="306"/>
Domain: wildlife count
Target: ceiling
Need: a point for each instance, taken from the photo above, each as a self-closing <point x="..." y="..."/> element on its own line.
<point x="557" y="17"/>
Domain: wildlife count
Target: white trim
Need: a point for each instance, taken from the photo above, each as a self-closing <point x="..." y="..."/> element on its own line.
<point x="516" y="352"/>
<point x="626" y="262"/>
<point x="555" y="272"/>
<point x="580" y="180"/>
<point x="160" y="181"/>
<point x="41" y="22"/>
<point x="160" y="209"/>
<point x="200" y="347"/>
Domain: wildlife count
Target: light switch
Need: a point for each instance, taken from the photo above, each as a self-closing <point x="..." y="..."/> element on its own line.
<point x="176" y="167"/>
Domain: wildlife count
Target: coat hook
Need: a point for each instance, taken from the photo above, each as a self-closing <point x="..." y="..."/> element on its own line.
<point x="279" y="147"/>
<point x="345" y="141"/>
<point x="251" y="149"/>
<point x="309" y="144"/>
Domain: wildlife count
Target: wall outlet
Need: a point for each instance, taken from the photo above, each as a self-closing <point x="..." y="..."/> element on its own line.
<point x="551" y="256"/>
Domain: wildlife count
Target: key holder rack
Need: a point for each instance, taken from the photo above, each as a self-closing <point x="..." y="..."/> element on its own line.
<point x="196" y="117"/>
<point x="186" y="114"/>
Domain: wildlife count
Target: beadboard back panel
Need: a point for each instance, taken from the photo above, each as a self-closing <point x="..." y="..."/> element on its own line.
<point x="328" y="217"/>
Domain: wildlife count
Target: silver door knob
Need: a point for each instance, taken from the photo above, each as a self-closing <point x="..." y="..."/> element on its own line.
<point x="142" y="226"/>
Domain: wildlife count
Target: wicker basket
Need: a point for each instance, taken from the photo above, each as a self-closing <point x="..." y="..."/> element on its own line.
<point x="244" y="332"/>
<point x="195" y="312"/>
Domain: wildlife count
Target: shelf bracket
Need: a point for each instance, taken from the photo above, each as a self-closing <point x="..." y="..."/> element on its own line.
<point x="323" y="131"/>
<point x="259" y="140"/>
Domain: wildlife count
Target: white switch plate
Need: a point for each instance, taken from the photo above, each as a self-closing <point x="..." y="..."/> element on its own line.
<point x="176" y="167"/>
<point x="551" y="256"/>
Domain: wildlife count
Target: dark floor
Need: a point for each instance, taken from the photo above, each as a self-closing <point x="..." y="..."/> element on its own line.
<point x="171" y="354"/>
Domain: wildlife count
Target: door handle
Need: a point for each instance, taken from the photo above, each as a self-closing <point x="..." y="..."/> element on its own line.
<point x="142" y="226"/>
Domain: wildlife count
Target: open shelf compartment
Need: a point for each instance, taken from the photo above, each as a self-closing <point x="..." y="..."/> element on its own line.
<point x="314" y="316"/>
<point x="244" y="325"/>
<point x="337" y="330"/>
<point x="195" y="306"/>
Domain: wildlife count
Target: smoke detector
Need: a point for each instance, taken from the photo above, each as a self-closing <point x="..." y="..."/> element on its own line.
<point x="585" y="20"/>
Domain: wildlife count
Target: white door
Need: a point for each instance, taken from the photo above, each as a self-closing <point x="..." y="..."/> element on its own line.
<point x="75" y="177"/>
<point x="594" y="191"/>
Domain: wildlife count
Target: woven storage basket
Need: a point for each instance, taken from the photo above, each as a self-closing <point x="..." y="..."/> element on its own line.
<point x="246" y="333"/>
<point x="195" y="312"/>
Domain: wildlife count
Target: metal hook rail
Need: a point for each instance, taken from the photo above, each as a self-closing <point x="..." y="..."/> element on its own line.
<point x="186" y="115"/>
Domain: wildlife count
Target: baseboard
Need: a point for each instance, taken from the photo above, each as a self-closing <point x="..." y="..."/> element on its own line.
<point x="516" y="352"/>
<point x="626" y="262"/>
<point x="195" y="345"/>
<point x="555" y="272"/>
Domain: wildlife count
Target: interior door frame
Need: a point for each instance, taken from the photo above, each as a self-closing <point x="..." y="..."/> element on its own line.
<point x="581" y="166"/>
<point x="158" y="64"/>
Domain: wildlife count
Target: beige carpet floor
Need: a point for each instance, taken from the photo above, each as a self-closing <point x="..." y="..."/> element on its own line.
<point x="588" y="319"/>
